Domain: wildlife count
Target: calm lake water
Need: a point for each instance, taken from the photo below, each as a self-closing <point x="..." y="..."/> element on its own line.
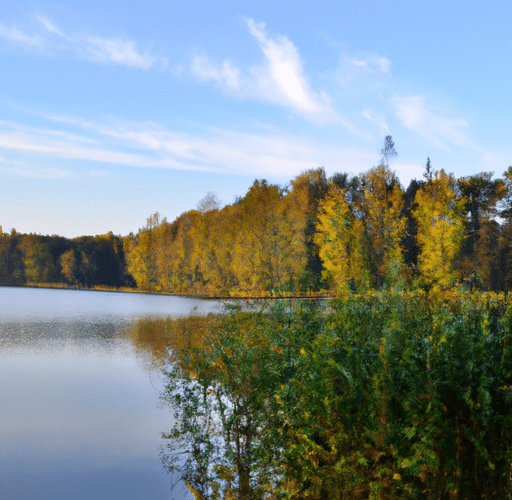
<point x="79" y="400"/>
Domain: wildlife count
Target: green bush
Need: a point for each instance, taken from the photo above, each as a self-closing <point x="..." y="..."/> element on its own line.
<point x="378" y="396"/>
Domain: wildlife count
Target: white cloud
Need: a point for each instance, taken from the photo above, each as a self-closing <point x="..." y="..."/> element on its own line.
<point x="279" y="80"/>
<point x="119" y="51"/>
<point x="373" y="61"/>
<point x="417" y="116"/>
<point x="50" y="27"/>
<point x="362" y="77"/>
<point x="282" y="79"/>
<point x="38" y="173"/>
<point x="148" y="145"/>
<point x="377" y="118"/>
<point x="123" y="52"/>
<point x="227" y="76"/>
<point x="13" y="35"/>
<point x="231" y="152"/>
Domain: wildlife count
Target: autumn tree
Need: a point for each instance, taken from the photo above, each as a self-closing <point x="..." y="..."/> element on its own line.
<point x="69" y="266"/>
<point x="140" y="251"/>
<point x="307" y="192"/>
<point x="37" y="259"/>
<point x="257" y="253"/>
<point x="440" y="229"/>
<point x="214" y="238"/>
<point x="379" y="209"/>
<point x="4" y="258"/>
<point x="340" y="241"/>
<point x="223" y="227"/>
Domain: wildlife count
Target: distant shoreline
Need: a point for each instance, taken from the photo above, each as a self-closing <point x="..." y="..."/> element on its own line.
<point x="196" y="295"/>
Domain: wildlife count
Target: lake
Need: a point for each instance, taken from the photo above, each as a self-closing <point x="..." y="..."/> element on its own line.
<point x="79" y="398"/>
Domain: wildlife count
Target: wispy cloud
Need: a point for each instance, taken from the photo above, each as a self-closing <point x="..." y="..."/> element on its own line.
<point x="123" y="52"/>
<point x="17" y="37"/>
<point x="52" y="40"/>
<point x="50" y="27"/>
<point x="377" y="118"/>
<point x="37" y="173"/>
<point x="416" y="115"/>
<point x="149" y="145"/>
<point x="280" y="80"/>
<point x="372" y="62"/>
<point x="227" y="76"/>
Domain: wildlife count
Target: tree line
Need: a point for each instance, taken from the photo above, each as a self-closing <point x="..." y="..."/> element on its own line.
<point x="87" y="261"/>
<point x="336" y="234"/>
<point x="317" y="234"/>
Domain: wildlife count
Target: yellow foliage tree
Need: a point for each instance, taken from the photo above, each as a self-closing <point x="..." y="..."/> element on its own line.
<point x="69" y="266"/>
<point x="339" y="240"/>
<point x="381" y="207"/>
<point x="298" y="225"/>
<point x="440" y="229"/>
<point x="257" y="252"/>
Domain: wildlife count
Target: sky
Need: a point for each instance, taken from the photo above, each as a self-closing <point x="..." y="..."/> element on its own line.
<point x="111" y="111"/>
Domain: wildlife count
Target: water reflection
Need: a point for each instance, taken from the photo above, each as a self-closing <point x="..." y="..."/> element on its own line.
<point x="80" y="415"/>
<point x="162" y="341"/>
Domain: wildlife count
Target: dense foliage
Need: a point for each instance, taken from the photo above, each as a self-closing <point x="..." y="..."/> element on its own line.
<point x="376" y="396"/>
<point x="316" y="235"/>
<point x="333" y="235"/>
<point x="87" y="261"/>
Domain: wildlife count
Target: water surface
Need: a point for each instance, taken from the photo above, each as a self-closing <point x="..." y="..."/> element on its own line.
<point x="79" y="402"/>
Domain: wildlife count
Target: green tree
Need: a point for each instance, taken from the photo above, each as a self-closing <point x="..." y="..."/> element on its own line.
<point x="37" y="259"/>
<point x="223" y="412"/>
<point x="481" y="195"/>
<point x="382" y="395"/>
<point x="15" y="264"/>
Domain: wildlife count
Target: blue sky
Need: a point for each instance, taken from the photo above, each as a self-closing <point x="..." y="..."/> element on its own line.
<point x="110" y="111"/>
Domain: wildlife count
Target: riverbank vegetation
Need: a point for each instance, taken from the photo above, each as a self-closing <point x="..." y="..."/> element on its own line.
<point x="317" y="236"/>
<point x="381" y="395"/>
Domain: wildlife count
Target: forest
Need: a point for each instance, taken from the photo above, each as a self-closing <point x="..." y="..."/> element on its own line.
<point x="315" y="236"/>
